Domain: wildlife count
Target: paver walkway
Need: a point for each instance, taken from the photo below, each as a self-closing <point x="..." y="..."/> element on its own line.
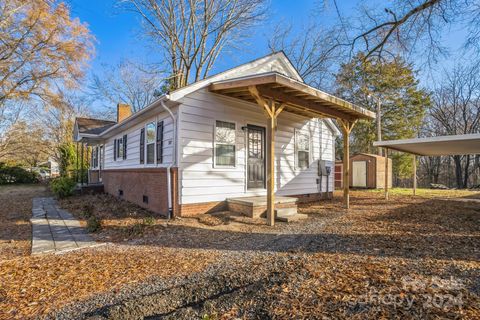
<point x="56" y="230"/>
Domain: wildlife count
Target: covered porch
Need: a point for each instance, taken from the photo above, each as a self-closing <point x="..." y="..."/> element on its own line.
<point x="90" y="151"/>
<point x="276" y="93"/>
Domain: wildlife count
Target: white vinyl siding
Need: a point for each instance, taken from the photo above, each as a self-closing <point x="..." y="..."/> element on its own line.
<point x="133" y="144"/>
<point x="200" y="181"/>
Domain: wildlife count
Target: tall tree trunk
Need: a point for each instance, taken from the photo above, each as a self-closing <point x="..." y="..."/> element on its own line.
<point x="458" y="171"/>
<point x="466" y="173"/>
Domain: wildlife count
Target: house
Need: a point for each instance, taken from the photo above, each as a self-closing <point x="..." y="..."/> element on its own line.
<point x="196" y="147"/>
<point x="368" y="171"/>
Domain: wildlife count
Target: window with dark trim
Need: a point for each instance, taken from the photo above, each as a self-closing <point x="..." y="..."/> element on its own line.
<point x="160" y="142"/>
<point x="150" y="142"/>
<point x="114" y="149"/>
<point x="142" y="145"/>
<point x="224" y="144"/>
<point x="120" y="148"/>
<point x="124" y="147"/>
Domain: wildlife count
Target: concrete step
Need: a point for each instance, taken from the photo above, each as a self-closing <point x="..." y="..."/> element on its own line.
<point x="292" y="218"/>
<point x="280" y="212"/>
<point x="288" y="215"/>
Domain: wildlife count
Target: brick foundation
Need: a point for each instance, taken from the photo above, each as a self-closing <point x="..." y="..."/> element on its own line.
<point x="193" y="209"/>
<point x="137" y="183"/>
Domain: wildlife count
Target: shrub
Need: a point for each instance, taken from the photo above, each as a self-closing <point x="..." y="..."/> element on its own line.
<point x="149" y="221"/>
<point x="15" y="174"/>
<point x="93" y="224"/>
<point x="62" y="187"/>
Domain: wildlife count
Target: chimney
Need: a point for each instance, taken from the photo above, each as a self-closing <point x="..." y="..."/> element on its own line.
<point x="123" y="112"/>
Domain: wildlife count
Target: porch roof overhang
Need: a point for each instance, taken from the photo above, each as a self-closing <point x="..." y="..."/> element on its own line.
<point x="436" y="146"/>
<point x="297" y="97"/>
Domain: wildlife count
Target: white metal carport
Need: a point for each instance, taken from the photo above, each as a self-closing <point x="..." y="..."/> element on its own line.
<point x="433" y="146"/>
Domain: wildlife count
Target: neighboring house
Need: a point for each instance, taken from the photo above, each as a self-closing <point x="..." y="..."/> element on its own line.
<point x="197" y="146"/>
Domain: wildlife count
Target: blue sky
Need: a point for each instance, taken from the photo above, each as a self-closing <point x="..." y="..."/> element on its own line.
<point x="118" y="36"/>
<point x="118" y="32"/>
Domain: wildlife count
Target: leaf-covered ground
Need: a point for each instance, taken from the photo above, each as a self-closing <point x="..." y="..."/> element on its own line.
<point x="411" y="257"/>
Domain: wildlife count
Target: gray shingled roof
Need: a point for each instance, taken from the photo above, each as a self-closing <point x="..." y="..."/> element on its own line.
<point x="93" y="126"/>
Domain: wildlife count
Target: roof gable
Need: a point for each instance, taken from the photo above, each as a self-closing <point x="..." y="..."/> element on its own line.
<point x="91" y="126"/>
<point x="277" y="62"/>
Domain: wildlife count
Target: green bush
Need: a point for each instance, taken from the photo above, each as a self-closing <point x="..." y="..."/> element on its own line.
<point x="15" y="174"/>
<point x="149" y="221"/>
<point x="93" y="224"/>
<point x="62" y="187"/>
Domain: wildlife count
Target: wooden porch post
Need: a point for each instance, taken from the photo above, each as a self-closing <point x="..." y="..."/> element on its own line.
<point x="272" y="111"/>
<point x="414" y="175"/>
<point x="347" y="127"/>
<point x="271" y="169"/>
<point x="81" y="164"/>
<point x="76" y="158"/>
<point x="386" y="173"/>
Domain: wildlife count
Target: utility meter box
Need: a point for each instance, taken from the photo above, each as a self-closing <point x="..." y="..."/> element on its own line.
<point x="323" y="169"/>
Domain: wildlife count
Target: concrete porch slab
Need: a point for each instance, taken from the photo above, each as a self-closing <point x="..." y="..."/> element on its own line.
<point x="255" y="207"/>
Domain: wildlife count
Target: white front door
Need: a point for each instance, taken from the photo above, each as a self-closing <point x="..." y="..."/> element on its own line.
<point x="359" y="174"/>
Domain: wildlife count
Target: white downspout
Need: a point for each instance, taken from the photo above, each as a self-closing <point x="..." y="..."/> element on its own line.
<point x="174" y="157"/>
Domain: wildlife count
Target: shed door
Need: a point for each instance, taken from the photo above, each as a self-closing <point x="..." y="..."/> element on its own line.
<point x="255" y="157"/>
<point x="359" y="174"/>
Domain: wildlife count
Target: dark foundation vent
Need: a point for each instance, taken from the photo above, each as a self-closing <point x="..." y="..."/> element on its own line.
<point x="145" y="199"/>
<point x="120" y="192"/>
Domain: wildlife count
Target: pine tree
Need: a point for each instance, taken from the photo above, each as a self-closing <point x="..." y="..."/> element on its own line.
<point x="403" y="103"/>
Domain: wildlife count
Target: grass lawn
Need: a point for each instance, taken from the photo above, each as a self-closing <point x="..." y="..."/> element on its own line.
<point x="429" y="193"/>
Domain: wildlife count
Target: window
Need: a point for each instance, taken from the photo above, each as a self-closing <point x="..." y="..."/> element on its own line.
<point x="120" y="148"/>
<point x="224" y="144"/>
<point x="302" y="149"/>
<point x="150" y="142"/>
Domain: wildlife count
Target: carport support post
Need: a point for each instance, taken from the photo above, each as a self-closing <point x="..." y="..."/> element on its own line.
<point x="347" y="127"/>
<point x="414" y="175"/>
<point x="386" y="173"/>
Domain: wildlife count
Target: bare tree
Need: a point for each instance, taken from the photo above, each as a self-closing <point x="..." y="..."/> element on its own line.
<point x="456" y="110"/>
<point x="128" y="82"/>
<point x="410" y="27"/>
<point x="39" y="44"/>
<point x="58" y="117"/>
<point x="192" y="33"/>
<point x="314" y="51"/>
<point x="22" y="140"/>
